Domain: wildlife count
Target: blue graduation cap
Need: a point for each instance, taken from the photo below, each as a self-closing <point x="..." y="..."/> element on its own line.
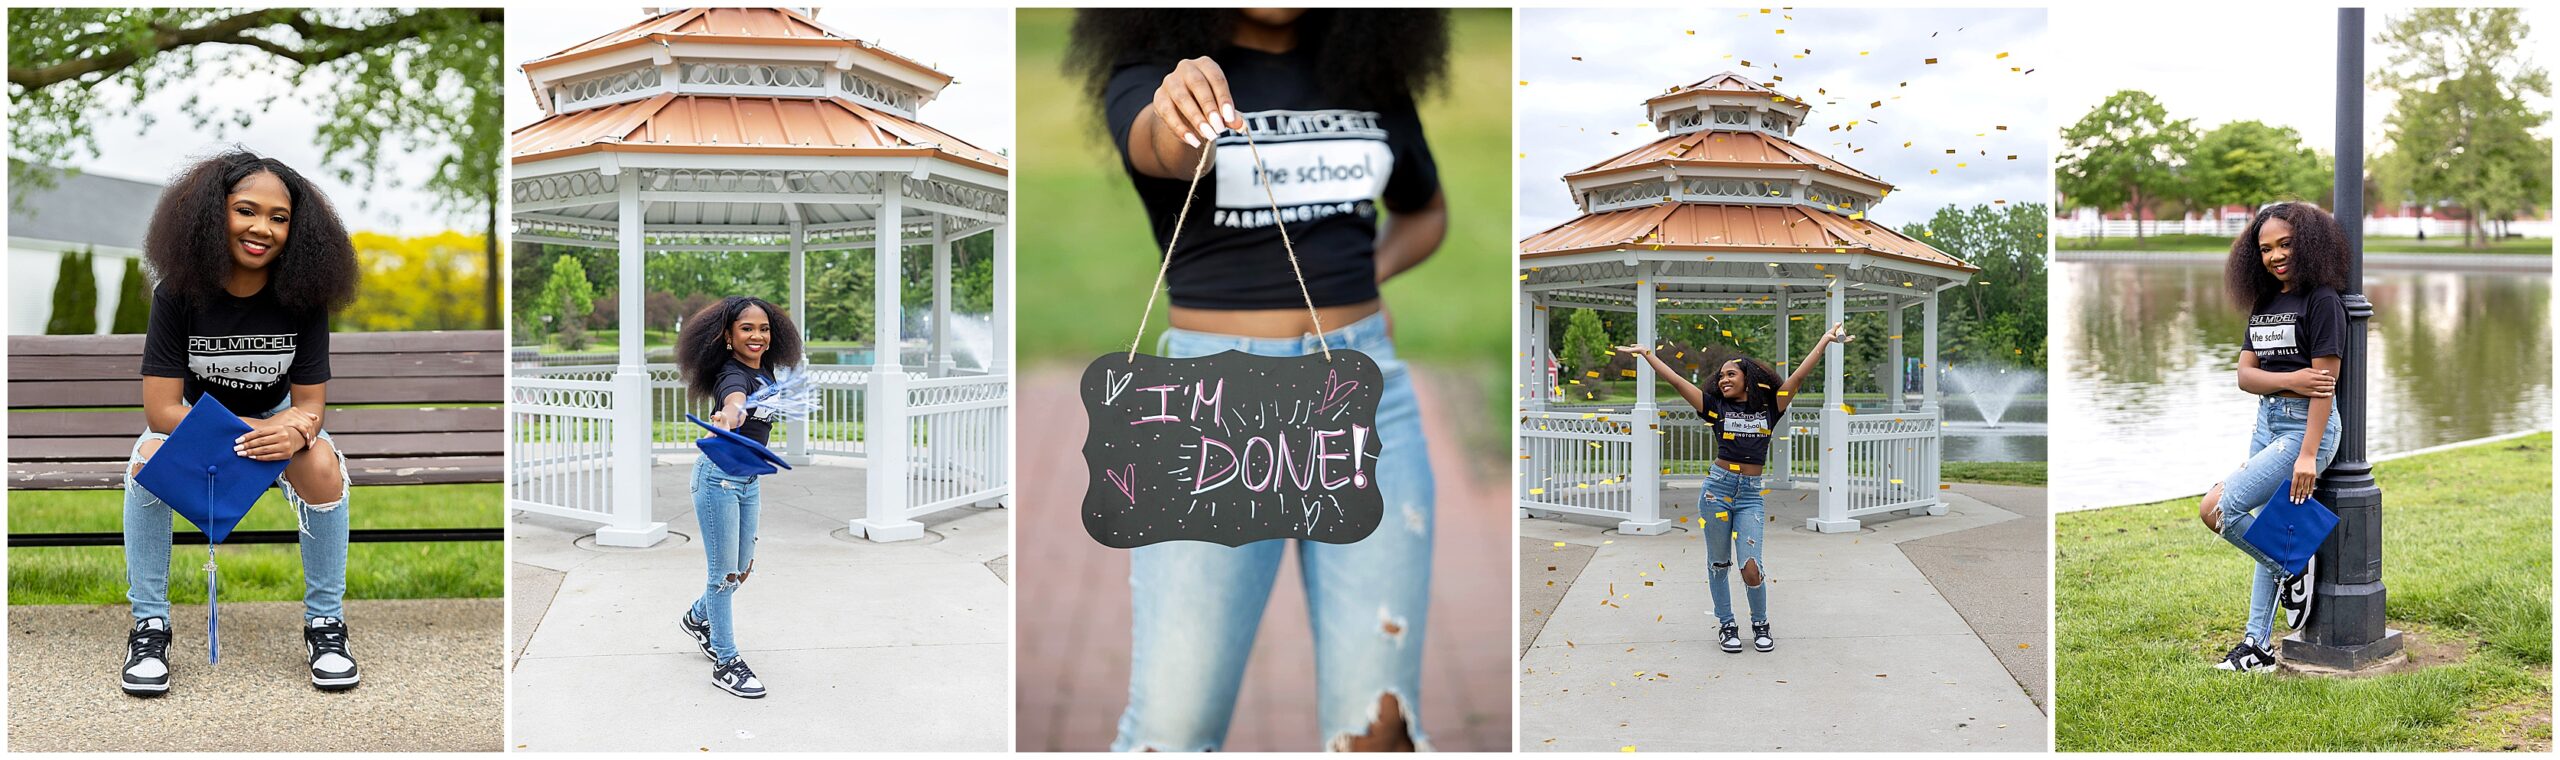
<point x="2290" y="533"/>
<point x="196" y="474"/>
<point x="736" y="454"/>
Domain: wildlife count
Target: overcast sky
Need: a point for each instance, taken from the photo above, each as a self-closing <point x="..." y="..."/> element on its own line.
<point x="973" y="45"/>
<point x="1569" y="109"/>
<point x="2285" y="79"/>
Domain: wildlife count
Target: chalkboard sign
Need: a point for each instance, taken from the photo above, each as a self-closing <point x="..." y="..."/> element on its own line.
<point x="1231" y="448"/>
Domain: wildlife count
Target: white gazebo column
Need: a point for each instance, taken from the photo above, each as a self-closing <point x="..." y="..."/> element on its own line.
<point x="1929" y="355"/>
<point x="1000" y="320"/>
<point x="884" y="434"/>
<point x="796" y="446"/>
<point x="1645" y="423"/>
<point x="940" y="363"/>
<point x="1779" y="455"/>
<point x="1831" y="510"/>
<point x="1900" y="312"/>
<point x="630" y="525"/>
<point x="1541" y="390"/>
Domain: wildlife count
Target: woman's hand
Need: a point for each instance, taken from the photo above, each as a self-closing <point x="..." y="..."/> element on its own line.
<point x="1636" y="350"/>
<point x="1839" y="333"/>
<point x="729" y="417"/>
<point x="2311" y="382"/>
<point x="272" y="439"/>
<point x="1192" y="98"/>
<point x="2306" y="471"/>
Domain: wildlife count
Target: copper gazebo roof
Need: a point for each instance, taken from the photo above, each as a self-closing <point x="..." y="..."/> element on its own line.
<point x="759" y="26"/>
<point x="1740" y="228"/>
<point x="1747" y="149"/>
<point x="670" y="123"/>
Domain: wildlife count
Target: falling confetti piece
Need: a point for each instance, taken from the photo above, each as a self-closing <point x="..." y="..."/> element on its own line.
<point x="1932" y="62"/>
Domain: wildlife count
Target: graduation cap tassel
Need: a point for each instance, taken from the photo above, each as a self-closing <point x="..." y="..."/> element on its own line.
<point x="212" y="611"/>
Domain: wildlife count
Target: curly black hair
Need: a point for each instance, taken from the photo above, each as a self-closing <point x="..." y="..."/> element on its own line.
<point x="704" y="345"/>
<point x="189" y="241"/>
<point x="1759" y="385"/>
<point x="1367" y="57"/>
<point x="2319" y="254"/>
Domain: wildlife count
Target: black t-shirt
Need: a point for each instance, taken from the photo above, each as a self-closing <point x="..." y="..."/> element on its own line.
<point x="737" y="377"/>
<point x="1741" y="433"/>
<point x="1328" y="163"/>
<point x="246" y="352"/>
<point x="2288" y="330"/>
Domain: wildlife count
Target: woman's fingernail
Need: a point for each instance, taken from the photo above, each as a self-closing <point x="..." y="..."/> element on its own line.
<point x="1208" y="131"/>
<point x="1192" y="139"/>
<point x="1228" y="110"/>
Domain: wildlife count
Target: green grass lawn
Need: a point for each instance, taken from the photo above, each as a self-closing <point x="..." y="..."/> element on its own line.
<point x="1996" y="473"/>
<point x="1088" y="269"/>
<point x="2146" y="601"/>
<point x="266" y="572"/>
<point x="2372" y="244"/>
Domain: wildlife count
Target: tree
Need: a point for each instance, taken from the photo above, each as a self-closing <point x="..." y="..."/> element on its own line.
<point x="2251" y="163"/>
<point x="133" y="301"/>
<point x="411" y="282"/>
<point x="406" y="81"/>
<point x="1999" y="316"/>
<point x="569" y="297"/>
<point x="75" y="296"/>
<point x="2462" y="129"/>
<point x="2125" y="151"/>
<point x="1585" y="346"/>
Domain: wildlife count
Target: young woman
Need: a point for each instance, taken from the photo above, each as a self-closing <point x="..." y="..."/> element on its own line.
<point x="727" y="351"/>
<point x="2285" y="270"/>
<point x="1178" y="90"/>
<point x="252" y="262"/>
<point x="1749" y="402"/>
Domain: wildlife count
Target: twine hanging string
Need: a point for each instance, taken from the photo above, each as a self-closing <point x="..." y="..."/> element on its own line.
<point x="1197" y="170"/>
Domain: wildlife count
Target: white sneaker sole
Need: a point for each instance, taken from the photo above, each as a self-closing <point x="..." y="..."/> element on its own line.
<point x="737" y="693"/>
<point x="336" y="684"/>
<point x="145" y="689"/>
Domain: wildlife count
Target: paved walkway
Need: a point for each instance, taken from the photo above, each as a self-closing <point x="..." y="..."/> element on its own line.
<point x="1074" y="615"/>
<point x="432" y="681"/>
<point x="876" y="646"/>
<point x="1871" y="655"/>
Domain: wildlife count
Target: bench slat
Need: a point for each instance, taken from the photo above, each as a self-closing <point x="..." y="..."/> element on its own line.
<point x="339" y="343"/>
<point x="367" y="471"/>
<point x="124" y="425"/>
<point x="414" y="444"/>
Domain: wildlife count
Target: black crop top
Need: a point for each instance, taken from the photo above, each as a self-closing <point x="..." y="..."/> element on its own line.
<point x="2288" y="330"/>
<point x="244" y="352"/>
<point x="1327" y="166"/>
<point x="1741" y="434"/>
<point x="737" y="377"/>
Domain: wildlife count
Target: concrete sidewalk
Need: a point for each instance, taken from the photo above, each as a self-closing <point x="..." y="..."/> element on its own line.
<point x="1871" y="656"/>
<point x="432" y="681"/>
<point x="873" y="646"/>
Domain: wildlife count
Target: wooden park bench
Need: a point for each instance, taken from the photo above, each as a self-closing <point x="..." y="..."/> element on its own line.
<point x="429" y="410"/>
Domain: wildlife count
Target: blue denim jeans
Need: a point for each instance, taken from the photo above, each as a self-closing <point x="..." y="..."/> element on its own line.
<point x="1194" y="606"/>
<point x="1732" y="513"/>
<point x="726" y="505"/>
<point x="2273" y="447"/>
<point x="149" y="525"/>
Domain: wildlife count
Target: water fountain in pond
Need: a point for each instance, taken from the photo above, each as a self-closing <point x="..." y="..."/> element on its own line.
<point x="971" y="338"/>
<point x="1991" y="389"/>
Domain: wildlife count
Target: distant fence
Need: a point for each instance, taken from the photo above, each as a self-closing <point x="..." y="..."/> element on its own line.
<point x="2383" y="226"/>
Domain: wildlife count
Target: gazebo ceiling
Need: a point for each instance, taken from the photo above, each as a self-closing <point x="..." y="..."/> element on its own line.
<point x="1741" y="230"/>
<point x="714" y="124"/>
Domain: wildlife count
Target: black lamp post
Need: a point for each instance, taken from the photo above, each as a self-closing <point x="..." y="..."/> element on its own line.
<point x="2347" y="629"/>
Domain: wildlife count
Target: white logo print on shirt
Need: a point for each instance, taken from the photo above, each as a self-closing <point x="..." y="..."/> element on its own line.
<point x="2273" y="334"/>
<point x="240" y="362"/>
<point x="1316" y="164"/>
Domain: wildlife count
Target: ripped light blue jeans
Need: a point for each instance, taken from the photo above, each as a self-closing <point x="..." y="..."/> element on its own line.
<point x="1195" y="605"/>
<point x="2273" y="447"/>
<point x="1733" y="514"/>
<point x="726" y="505"/>
<point x="149" y="527"/>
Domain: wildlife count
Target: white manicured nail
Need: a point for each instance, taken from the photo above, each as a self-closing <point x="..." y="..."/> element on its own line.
<point x="1229" y="110"/>
<point x="1192" y="139"/>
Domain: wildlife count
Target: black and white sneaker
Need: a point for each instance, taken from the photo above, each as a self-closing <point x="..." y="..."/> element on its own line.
<point x="2295" y="592"/>
<point x="734" y="677"/>
<point x="700" y="630"/>
<point x="1760" y="637"/>
<point x="1730" y="639"/>
<point x="332" y="668"/>
<point x="146" y="660"/>
<point x="2247" y="658"/>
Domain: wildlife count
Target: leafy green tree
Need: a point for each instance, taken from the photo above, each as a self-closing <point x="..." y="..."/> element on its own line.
<point x="2125" y="151"/>
<point x="569" y="297"/>
<point x="1999" y="316"/>
<point x="75" y="296"/>
<point x="406" y="81"/>
<point x="2252" y="163"/>
<point x="1585" y="344"/>
<point x="2462" y="129"/>
<point x="133" y="301"/>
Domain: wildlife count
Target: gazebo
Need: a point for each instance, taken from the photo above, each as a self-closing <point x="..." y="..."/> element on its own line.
<point x="729" y="130"/>
<point x="1727" y="215"/>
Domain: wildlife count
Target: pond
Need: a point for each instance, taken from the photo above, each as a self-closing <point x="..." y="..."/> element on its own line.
<point x="2145" y="400"/>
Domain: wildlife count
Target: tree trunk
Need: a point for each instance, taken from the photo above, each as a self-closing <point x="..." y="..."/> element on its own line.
<point x="492" y="320"/>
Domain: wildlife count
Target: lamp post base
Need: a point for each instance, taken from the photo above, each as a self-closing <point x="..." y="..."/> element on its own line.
<point x="2382" y="651"/>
